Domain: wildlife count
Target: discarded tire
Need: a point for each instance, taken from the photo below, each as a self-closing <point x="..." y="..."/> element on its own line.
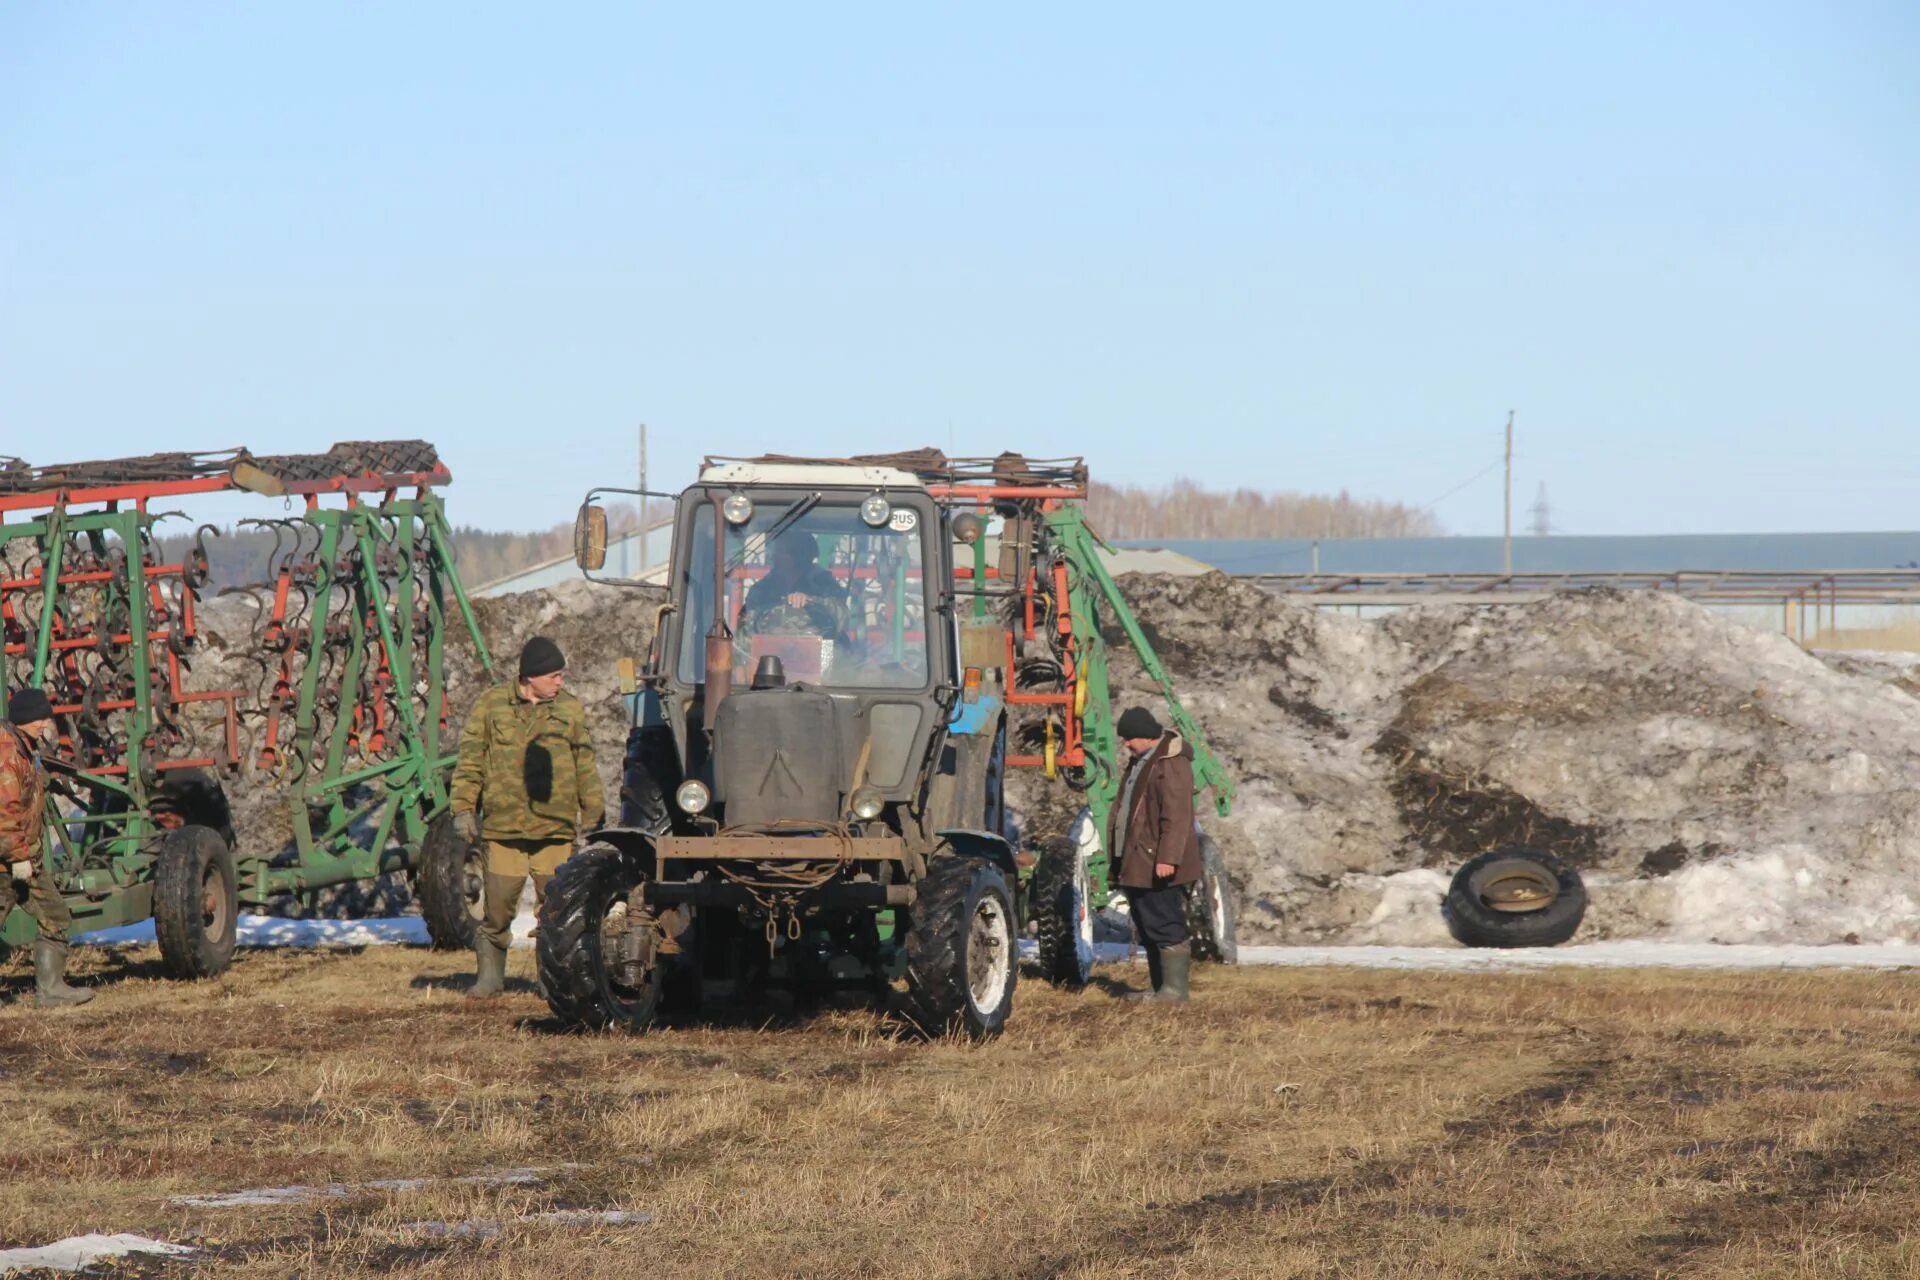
<point x="450" y="886"/>
<point x="1063" y="916"/>
<point x="195" y="902"/>
<point x="1515" y="898"/>
<point x="1213" y="919"/>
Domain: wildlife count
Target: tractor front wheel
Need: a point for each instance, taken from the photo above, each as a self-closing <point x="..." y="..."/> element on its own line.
<point x="598" y="945"/>
<point x="1213" y="917"/>
<point x="961" y="962"/>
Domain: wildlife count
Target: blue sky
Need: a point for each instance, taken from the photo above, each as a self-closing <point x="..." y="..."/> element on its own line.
<point x="1285" y="247"/>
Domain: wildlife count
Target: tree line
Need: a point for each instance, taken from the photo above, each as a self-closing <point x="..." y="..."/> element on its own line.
<point x="1185" y="510"/>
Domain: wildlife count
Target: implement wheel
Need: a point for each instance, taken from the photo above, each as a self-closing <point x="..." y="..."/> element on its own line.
<point x="1063" y="915"/>
<point x="1213" y="918"/>
<point x="961" y="963"/>
<point x="196" y="902"/>
<point x="450" y="884"/>
<point x="598" y="947"/>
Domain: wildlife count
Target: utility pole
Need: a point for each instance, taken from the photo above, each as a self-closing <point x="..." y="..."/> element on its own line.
<point x="1542" y="513"/>
<point x="1507" y="516"/>
<point x="642" y="535"/>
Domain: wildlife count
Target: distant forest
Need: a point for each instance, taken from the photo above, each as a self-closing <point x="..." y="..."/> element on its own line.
<point x="1181" y="510"/>
<point x="1184" y="510"/>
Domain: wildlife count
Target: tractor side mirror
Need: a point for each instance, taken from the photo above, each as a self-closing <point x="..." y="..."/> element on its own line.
<point x="590" y="537"/>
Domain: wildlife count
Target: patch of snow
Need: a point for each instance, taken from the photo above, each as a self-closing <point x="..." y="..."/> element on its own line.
<point x="1633" y="954"/>
<point x="487" y="1229"/>
<point x="274" y="931"/>
<point x="255" y="1197"/>
<point x="77" y="1253"/>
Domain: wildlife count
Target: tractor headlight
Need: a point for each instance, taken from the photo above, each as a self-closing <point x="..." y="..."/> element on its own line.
<point x="967" y="528"/>
<point x="693" y="796"/>
<point x="876" y="510"/>
<point x="866" y="803"/>
<point x="737" y="508"/>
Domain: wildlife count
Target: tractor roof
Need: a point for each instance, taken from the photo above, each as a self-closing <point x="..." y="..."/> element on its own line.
<point x="818" y="475"/>
<point x="918" y="468"/>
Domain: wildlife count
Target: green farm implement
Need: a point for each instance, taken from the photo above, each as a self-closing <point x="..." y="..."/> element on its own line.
<point x="331" y="697"/>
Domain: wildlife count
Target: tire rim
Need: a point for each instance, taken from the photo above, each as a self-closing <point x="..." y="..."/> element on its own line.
<point x="1516" y="886"/>
<point x="615" y="924"/>
<point x="474" y="875"/>
<point x="1082" y="914"/>
<point x="1217" y="910"/>
<point x="989" y="954"/>
<point x="215" y="919"/>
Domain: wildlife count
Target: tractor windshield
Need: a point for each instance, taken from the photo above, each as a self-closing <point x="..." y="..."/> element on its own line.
<point x="840" y="603"/>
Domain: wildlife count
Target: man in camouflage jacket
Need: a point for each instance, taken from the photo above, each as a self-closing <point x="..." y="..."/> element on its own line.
<point x="526" y="785"/>
<point x="23" y="805"/>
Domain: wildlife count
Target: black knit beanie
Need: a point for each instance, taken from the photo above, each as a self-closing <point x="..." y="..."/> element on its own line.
<point x="1138" y="722"/>
<point x="28" y="705"/>
<point x="541" y="657"/>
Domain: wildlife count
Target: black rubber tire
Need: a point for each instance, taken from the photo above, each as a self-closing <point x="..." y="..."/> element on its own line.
<point x="196" y="902"/>
<point x="580" y="988"/>
<point x="450" y="883"/>
<point x="1477" y="924"/>
<point x="1060" y="902"/>
<point x="1213" y="914"/>
<point x="944" y="949"/>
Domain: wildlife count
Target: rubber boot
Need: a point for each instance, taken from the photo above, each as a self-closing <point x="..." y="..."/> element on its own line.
<point x="50" y="987"/>
<point x="492" y="978"/>
<point x="1154" y="972"/>
<point x="1176" y="963"/>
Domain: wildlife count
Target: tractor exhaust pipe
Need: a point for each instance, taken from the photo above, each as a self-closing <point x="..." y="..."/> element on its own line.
<point x="719" y="635"/>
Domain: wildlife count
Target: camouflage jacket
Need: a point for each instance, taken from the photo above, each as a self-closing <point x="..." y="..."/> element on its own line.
<point x="527" y="768"/>
<point x="23" y="798"/>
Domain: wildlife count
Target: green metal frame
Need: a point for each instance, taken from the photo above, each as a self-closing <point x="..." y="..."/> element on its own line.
<point x="106" y="873"/>
<point x="1089" y="588"/>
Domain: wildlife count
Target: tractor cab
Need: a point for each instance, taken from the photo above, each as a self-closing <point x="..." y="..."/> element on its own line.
<point x="807" y="664"/>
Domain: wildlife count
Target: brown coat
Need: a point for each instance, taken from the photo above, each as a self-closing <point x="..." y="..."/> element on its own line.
<point x="1159" y="822"/>
<point x="23" y="796"/>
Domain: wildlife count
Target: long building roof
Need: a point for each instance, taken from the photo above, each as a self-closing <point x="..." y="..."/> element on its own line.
<point x="1659" y="553"/>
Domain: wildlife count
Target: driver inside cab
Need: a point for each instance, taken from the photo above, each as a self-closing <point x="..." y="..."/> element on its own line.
<point x="798" y="597"/>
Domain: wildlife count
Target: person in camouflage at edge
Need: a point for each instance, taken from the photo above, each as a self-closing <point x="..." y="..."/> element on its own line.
<point x="798" y="597"/>
<point x="527" y="785"/>
<point x="23" y="801"/>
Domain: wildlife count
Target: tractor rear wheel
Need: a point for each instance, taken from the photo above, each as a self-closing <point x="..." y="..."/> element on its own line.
<point x="1063" y="915"/>
<point x="1213" y="918"/>
<point x="598" y="946"/>
<point x="961" y="961"/>
<point x="196" y="902"/>
<point x="450" y="884"/>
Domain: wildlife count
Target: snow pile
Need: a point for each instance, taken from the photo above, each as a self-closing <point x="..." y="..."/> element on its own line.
<point x="77" y="1253"/>
<point x="1713" y="782"/>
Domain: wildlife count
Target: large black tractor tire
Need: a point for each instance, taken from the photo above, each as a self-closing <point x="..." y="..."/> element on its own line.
<point x="196" y="902"/>
<point x="1213" y="915"/>
<point x="962" y="961"/>
<point x="1515" y="898"/>
<point x="451" y="885"/>
<point x="1061" y="903"/>
<point x="579" y="944"/>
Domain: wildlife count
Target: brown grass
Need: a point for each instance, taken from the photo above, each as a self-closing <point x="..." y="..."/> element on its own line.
<point x="1290" y="1123"/>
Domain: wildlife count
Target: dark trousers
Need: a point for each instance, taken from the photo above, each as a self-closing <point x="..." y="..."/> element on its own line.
<point x="1159" y="915"/>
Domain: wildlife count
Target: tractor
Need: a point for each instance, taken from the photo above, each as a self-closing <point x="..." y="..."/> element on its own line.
<point x="814" y="786"/>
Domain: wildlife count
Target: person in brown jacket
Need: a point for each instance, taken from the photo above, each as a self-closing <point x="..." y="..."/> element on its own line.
<point x="1154" y="849"/>
<point x="23" y="798"/>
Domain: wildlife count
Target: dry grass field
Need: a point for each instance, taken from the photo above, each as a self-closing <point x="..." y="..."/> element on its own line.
<point x="1289" y="1123"/>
